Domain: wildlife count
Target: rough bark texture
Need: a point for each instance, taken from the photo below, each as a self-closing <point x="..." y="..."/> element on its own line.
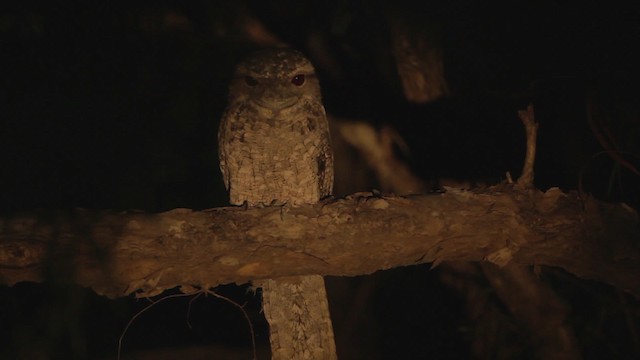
<point x="117" y="254"/>
<point x="299" y="320"/>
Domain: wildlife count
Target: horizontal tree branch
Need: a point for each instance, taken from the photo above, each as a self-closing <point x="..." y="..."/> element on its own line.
<point x="117" y="254"/>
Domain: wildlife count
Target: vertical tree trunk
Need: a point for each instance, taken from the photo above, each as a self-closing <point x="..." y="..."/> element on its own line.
<point x="299" y="321"/>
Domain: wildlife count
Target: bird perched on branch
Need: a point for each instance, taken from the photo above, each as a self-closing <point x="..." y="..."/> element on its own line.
<point x="274" y="136"/>
<point x="274" y="147"/>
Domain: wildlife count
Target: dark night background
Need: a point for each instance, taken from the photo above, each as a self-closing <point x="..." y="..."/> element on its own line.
<point x="115" y="105"/>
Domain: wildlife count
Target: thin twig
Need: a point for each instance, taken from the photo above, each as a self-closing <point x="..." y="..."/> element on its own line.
<point x="189" y="309"/>
<point x="197" y="294"/>
<point x="124" y="332"/>
<point x="246" y="316"/>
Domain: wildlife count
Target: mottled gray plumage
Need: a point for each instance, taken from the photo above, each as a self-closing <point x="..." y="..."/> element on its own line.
<point x="274" y="147"/>
<point x="274" y="137"/>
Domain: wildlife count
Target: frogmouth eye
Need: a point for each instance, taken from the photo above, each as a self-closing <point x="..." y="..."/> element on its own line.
<point x="250" y="80"/>
<point x="298" y="80"/>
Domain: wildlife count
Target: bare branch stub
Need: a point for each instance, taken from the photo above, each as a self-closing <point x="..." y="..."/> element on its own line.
<point x="531" y="129"/>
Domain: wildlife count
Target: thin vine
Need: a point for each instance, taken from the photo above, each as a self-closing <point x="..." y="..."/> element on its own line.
<point x="195" y="296"/>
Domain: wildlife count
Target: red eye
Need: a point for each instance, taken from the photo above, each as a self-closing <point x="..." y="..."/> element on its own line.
<point x="298" y="80"/>
<point x="250" y="80"/>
